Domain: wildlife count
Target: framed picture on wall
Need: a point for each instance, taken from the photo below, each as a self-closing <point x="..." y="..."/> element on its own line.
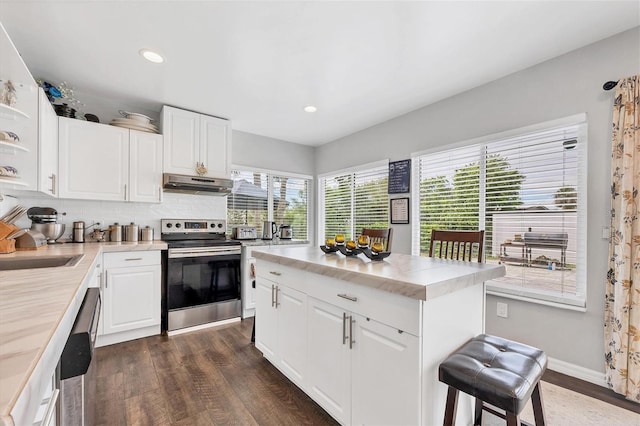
<point x="399" y="209"/>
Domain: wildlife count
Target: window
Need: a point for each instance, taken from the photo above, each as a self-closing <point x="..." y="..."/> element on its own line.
<point x="248" y="203"/>
<point x="354" y="199"/>
<point x="290" y="197"/>
<point x="526" y="192"/>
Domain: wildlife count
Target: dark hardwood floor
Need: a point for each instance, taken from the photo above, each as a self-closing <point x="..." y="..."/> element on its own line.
<point x="209" y="377"/>
<point x="217" y="377"/>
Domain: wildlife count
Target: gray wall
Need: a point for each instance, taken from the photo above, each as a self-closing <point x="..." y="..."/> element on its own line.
<point x="273" y="154"/>
<point x="563" y="86"/>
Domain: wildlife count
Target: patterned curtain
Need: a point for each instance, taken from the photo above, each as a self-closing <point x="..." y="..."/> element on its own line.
<point x="622" y="298"/>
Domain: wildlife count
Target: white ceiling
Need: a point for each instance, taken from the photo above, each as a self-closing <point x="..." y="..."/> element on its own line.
<point x="259" y="63"/>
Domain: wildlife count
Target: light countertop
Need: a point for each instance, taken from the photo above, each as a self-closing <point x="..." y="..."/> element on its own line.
<point x="418" y="277"/>
<point x="275" y="242"/>
<point x="37" y="310"/>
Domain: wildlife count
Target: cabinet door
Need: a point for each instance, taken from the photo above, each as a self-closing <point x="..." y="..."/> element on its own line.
<point x="215" y="145"/>
<point x="47" y="146"/>
<point x="181" y="130"/>
<point x="329" y="377"/>
<point x="385" y="374"/>
<point x="94" y="160"/>
<point x="131" y="298"/>
<point x="266" y="318"/>
<point x="292" y="333"/>
<point x="145" y="159"/>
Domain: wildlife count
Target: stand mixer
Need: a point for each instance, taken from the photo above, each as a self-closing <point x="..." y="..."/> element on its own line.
<point x="43" y="219"/>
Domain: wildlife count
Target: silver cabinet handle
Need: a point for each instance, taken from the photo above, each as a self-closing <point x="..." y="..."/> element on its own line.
<point x="275" y="273"/>
<point x="273" y="301"/>
<point x="346" y="296"/>
<point x="53" y="183"/>
<point x="125" y="192"/>
<point x="106" y="279"/>
<point x="133" y="258"/>
<point x="351" y="341"/>
<point x="277" y="303"/>
<point x="344" y="328"/>
<point x="159" y="194"/>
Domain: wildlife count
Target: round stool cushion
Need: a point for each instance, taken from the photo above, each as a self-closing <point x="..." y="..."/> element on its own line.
<point x="497" y="371"/>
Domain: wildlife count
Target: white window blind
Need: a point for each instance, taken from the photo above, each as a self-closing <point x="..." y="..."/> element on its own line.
<point x="248" y="203"/>
<point x="526" y="193"/>
<point x="354" y="200"/>
<point x="290" y="203"/>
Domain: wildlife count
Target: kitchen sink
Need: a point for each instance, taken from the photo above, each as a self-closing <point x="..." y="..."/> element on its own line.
<point x="36" y="262"/>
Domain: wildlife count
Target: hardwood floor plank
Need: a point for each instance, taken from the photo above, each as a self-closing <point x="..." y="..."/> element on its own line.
<point x="215" y="393"/>
<point x="147" y="409"/>
<point x="110" y="407"/>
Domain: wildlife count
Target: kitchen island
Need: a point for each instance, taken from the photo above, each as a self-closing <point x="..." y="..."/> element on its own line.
<point x="37" y="311"/>
<point x="364" y="339"/>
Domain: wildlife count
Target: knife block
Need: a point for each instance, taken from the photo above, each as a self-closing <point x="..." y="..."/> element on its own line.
<point x="7" y="246"/>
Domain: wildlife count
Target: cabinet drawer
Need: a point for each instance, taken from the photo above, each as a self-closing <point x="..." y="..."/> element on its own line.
<point x="131" y="258"/>
<point x="397" y="311"/>
<point x="284" y="275"/>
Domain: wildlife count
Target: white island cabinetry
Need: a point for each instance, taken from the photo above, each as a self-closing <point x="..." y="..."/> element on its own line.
<point x="283" y="336"/>
<point x="375" y="331"/>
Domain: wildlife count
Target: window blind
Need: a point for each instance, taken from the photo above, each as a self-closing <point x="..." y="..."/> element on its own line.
<point x="354" y="200"/>
<point x="248" y="202"/>
<point x="290" y="203"/>
<point x="526" y="193"/>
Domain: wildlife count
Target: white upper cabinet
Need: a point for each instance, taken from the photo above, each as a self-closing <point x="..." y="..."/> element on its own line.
<point x="145" y="160"/>
<point x="101" y="162"/>
<point x="94" y="160"/>
<point x="47" y="146"/>
<point x="191" y="138"/>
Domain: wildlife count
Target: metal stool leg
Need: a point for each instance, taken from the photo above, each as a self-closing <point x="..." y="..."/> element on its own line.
<point x="478" y="415"/>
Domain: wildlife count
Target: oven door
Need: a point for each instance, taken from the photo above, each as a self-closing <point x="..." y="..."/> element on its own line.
<point x="202" y="285"/>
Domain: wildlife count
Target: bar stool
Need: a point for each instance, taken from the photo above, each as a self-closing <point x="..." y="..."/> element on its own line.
<point x="496" y="371"/>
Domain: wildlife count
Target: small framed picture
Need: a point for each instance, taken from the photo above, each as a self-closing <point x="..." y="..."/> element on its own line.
<point x="399" y="208"/>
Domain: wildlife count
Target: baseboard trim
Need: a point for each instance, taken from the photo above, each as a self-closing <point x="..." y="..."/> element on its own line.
<point x="591" y="376"/>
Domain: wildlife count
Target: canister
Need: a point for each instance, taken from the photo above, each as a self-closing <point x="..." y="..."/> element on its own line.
<point x="116" y="232"/>
<point x="131" y="232"/>
<point x="78" y="232"/>
<point x="146" y="234"/>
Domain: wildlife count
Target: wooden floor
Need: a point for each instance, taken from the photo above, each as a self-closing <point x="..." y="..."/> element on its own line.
<point x="215" y="377"/>
<point x="199" y="378"/>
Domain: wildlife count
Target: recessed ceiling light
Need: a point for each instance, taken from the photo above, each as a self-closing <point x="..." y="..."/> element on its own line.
<point x="310" y="108"/>
<point x="152" y="56"/>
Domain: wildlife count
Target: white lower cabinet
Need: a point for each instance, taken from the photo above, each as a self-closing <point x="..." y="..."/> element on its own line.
<point x="329" y="376"/>
<point x="385" y="374"/>
<point x="328" y="342"/>
<point x="281" y="328"/>
<point x="130" y="296"/>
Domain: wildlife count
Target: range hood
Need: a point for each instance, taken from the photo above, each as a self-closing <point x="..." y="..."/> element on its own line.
<point x="196" y="184"/>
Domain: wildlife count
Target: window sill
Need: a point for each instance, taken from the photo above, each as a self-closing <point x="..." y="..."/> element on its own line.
<point x="571" y="303"/>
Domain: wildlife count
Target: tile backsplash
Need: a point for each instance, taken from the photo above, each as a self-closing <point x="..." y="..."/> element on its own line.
<point x="173" y="206"/>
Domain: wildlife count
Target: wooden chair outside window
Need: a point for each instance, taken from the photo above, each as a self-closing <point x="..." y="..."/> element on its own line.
<point x="458" y="245"/>
<point x="379" y="235"/>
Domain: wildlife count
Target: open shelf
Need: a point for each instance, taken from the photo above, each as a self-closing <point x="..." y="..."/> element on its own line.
<point x="13" y="146"/>
<point x="12" y="181"/>
<point x="10" y="112"/>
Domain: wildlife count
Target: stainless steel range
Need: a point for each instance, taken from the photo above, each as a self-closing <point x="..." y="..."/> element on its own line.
<point x="202" y="273"/>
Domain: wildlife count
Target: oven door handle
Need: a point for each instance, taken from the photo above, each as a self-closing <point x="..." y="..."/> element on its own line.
<point x="202" y="252"/>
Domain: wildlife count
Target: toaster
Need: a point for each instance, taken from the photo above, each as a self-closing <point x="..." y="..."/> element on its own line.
<point x="243" y="232"/>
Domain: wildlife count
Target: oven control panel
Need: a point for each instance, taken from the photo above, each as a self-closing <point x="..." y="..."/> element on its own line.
<point x="190" y="226"/>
